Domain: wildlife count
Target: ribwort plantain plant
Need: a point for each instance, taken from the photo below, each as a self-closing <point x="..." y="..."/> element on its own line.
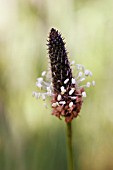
<point x="63" y="87"/>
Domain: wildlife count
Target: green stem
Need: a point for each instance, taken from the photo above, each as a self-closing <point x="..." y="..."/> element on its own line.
<point x="69" y="147"/>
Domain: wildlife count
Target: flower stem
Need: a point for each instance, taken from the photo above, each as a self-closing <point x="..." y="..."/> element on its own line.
<point x="69" y="146"/>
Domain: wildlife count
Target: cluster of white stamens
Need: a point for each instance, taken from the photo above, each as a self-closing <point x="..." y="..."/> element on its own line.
<point x="82" y="75"/>
<point x="47" y="86"/>
<point x="43" y="86"/>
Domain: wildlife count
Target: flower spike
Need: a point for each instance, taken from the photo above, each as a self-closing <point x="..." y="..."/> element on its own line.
<point x="65" y="90"/>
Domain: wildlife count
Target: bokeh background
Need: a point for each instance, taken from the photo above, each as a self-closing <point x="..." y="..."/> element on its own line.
<point x="30" y="138"/>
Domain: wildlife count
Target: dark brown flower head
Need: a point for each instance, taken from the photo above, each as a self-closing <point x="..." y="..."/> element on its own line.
<point x="67" y="95"/>
<point x="60" y="67"/>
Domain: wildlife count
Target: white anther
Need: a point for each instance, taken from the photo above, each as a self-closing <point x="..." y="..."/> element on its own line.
<point x="43" y="73"/>
<point x="59" y="97"/>
<point x="73" y="81"/>
<point x="48" y="89"/>
<point x="63" y="90"/>
<point x="39" y="85"/>
<point x="49" y="93"/>
<point x="70" y="104"/>
<point x="88" y="84"/>
<point x="84" y="94"/>
<point x="40" y="79"/>
<point x="65" y="82"/>
<point x="80" y="74"/>
<point x="62" y="102"/>
<point x="82" y="79"/>
<point x="93" y="83"/>
<point x="71" y="91"/>
<point x="73" y="62"/>
<point x="86" y="72"/>
<point x="73" y="97"/>
<point x="54" y="104"/>
<point x="54" y="73"/>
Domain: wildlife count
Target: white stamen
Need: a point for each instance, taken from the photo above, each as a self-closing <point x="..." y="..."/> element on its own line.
<point x="73" y="81"/>
<point x="59" y="97"/>
<point x="54" y="73"/>
<point x="82" y="79"/>
<point x="80" y="74"/>
<point x="67" y="73"/>
<point x="70" y="104"/>
<point x="93" y="83"/>
<point x="40" y="79"/>
<point x="71" y="91"/>
<point x="48" y="89"/>
<point x="43" y="73"/>
<point x="62" y="102"/>
<point x="88" y="84"/>
<point x="84" y="94"/>
<point x="39" y="85"/>
<point x="58" y="81"/>
<point x="63" y="90"/>
<point x="54" y="104"/>
<point x="86" y="72"/>
<point x="49" y="93"/>
<point x="65" y="82"/>
<point x="73" y="62"/>
<point x="73" y="97"/>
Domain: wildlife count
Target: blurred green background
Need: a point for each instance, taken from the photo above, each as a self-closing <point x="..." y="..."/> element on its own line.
<point x="30" y="138"/>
